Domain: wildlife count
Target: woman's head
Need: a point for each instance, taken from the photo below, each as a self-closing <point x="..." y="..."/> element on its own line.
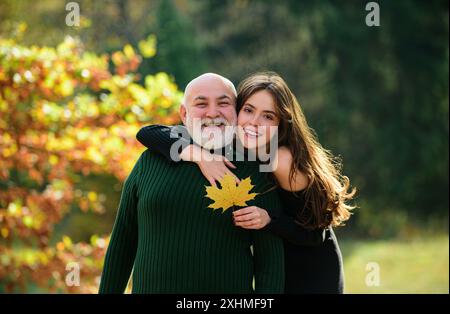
<point x="265" y="101"/>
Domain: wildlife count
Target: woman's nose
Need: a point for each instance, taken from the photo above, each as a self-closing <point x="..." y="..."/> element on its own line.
<point x="254" y="120"/>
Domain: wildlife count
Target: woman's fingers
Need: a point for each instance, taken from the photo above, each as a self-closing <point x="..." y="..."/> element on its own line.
<point x="235" y="178"/>
<point x="228" y="163"/>
<point x="246" y="217"/>
<point x="216" y="170"/>
<point x="245" y="210"/>
<point x="251" y="217"/>
<point x="224" y="171"/>
<point x="212" y="181"/>
<point x="253" y="224"/>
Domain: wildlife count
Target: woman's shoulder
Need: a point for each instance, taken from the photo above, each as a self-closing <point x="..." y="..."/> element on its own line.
<point x="282" y="170"/>
<point x="284" y="157"/>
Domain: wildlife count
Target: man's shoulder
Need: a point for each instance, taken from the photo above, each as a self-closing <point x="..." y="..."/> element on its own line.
<point x="150" y="157"/>
<point x="148" y="154"/>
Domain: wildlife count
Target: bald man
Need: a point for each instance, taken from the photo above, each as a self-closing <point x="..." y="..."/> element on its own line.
<point x="166" y="233"/>
<point x="209" y="110"/>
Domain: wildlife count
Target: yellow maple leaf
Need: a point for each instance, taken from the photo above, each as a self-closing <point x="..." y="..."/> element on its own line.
<point x="229" y="194"/>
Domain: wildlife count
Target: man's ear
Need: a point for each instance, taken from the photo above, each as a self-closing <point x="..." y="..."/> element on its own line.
<point x="182" y="113"/>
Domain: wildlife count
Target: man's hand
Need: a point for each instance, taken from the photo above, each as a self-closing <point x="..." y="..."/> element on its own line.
<point x="251" y="217"/>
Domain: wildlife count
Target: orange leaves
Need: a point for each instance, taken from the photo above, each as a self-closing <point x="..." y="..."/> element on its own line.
<point x="90" y="201"/>
<point x="126" y="61"/>
<point x="65" y="115"/>
<point x="47" y="72"/>
<point x="48" y="268"/>
<point x="36" y="176"/>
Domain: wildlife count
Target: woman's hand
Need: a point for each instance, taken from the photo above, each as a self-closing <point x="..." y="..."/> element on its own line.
<point x="213" y="167"/>
<point x="251" y="217"/>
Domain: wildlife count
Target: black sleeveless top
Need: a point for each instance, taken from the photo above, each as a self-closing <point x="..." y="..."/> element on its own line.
<point x="313" y="260"/>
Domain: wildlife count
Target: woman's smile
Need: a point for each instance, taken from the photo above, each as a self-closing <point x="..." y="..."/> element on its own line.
<point x="251" y="133"/>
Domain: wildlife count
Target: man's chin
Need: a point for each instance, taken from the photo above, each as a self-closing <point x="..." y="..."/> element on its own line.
<point x="213" y="129"/>
<point x="214" y="143"/>
<point x="210" y="146"/>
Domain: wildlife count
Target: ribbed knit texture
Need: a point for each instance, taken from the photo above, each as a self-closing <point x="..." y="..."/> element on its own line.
<point x="176" y="244"/>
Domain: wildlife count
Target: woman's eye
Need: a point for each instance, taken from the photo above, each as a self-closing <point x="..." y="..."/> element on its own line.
<point x="247" y="110"/>
<point x="269" y="117"/>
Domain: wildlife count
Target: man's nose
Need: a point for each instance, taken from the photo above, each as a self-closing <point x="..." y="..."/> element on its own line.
<point x="213" y="112"/>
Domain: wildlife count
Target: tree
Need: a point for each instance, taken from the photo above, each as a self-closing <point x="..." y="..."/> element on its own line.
<point x="377" y="96"/>
<point x="64" y="115"/>
<point x="178" y="48"/>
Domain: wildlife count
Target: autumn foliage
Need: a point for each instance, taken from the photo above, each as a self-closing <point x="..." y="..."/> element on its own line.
<point x="66" y="113"/>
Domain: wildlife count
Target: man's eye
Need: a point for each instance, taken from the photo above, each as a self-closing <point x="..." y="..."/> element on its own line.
<point x="223" y="104"/>
<point x="201" y="105"/>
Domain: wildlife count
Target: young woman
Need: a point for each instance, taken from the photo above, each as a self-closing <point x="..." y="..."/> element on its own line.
<point x="312" y="189"/>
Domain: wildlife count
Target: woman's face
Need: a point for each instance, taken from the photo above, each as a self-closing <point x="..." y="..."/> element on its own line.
<point x="257" y="120"/>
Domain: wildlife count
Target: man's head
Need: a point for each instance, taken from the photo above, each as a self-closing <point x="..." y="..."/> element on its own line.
<point x="208" y="107"/>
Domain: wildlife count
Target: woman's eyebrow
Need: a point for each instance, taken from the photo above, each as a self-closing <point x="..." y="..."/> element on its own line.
<point x="268" y="111"/>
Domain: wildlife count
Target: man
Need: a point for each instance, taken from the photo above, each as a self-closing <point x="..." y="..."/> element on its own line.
<point x="165" y="229"/>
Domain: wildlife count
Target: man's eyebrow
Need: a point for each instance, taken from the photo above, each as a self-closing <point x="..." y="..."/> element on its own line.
<point x="200" y="98"/>
<point x="224" y="96"/>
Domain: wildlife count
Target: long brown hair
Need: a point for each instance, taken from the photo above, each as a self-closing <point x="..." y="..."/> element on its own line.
<point x="327" y="193"/>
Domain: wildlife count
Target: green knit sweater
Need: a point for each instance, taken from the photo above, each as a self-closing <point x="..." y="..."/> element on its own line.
<point x="174" y="243"/>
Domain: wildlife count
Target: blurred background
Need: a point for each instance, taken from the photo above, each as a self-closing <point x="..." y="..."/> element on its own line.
<point x="73" y="97"/>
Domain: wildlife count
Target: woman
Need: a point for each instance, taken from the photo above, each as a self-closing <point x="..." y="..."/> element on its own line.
<point x="313" y="192"/>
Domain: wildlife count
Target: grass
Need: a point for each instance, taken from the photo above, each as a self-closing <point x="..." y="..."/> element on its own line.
<point x="420" y="265"/>
<point x="416" y="266"/>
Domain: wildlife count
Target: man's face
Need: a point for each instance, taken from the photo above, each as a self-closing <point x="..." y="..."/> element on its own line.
<point x="209" y="112"/>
